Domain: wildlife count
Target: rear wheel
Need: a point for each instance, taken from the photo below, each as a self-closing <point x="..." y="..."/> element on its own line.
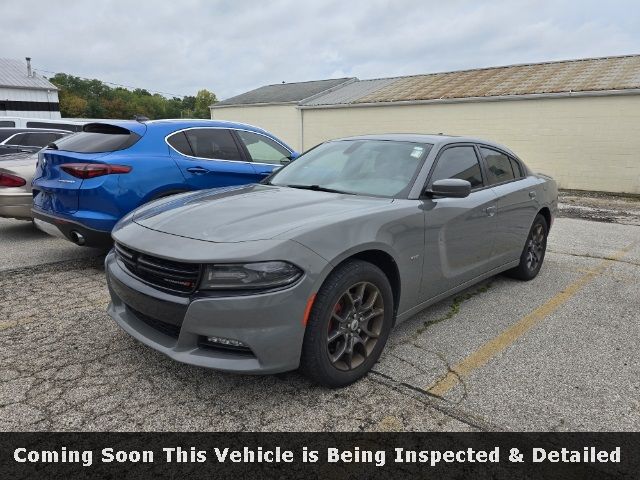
<point x="348" y="325"/>
<point x="534" y="250"/>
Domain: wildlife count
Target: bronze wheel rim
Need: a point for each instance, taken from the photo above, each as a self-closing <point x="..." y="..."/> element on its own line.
<point x="355" y="325"/>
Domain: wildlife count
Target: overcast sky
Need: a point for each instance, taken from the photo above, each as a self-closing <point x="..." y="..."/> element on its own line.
<point x="230" y="47"/>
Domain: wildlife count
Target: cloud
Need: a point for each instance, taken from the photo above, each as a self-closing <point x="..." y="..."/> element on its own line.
<point x="233" y="46"/>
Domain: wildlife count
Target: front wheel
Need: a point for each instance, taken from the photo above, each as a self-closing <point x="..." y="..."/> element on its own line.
<point x="534" y="250"/>
<point x="348" y="326"/>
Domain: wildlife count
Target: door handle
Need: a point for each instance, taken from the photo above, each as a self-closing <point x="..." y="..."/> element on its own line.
<point x="532" y="194"/>
<point x="491" y="211"/>
<point x="197" y="170"/>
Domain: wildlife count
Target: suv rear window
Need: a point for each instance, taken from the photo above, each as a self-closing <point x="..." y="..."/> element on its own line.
<point x="97" y="138"/>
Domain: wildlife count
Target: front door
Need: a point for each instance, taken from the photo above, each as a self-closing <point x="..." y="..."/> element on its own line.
<point x="265" y="153"/>
<point x="459" y="232"/>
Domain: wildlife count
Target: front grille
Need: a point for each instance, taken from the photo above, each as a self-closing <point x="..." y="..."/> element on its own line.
<point x="163" y="327"/>
<point x="175" y="277"/>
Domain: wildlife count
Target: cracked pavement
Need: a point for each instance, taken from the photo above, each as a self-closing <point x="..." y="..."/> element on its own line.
<point x="65" y="365"/>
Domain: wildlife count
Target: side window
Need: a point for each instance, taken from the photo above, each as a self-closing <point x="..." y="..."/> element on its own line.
<point x="517" y="168"/>
<point x="459" y="162"/>
<point x="262" y="149"/>
<point x="6" y="123"/>
<point x="17" y="139"/>
<point x="499" y="166"/>
<point x="39" y="139"/>
<point x="180" y="143"/>
<point x="6" y="133"/>
<point x="213" y="143"/>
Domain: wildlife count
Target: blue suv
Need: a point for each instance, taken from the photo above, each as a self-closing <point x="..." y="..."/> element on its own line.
<point x="85" y="183"/>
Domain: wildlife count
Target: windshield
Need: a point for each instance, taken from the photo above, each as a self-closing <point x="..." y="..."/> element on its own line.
<point x="367" y="167"/>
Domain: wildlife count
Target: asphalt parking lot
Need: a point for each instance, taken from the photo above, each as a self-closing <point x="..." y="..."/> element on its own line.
<point x="558" y="353"/>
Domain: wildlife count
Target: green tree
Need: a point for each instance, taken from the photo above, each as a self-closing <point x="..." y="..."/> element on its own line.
<point x="81" y="97"/>
<point x="204" y="99"/>
<point x="72" y="105"/>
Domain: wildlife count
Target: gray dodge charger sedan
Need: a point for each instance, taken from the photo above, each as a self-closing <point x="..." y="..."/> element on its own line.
<point x="313" y="267"/>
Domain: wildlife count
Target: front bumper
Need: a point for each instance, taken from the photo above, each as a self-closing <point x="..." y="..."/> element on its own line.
<point x="68" y="229"/>
<point x="16" y="205"/>
<point x="270" y="324"/>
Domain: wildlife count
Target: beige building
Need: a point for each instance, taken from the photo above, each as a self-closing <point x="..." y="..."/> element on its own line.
<point x="576" y="120"/>
<point x="276" y="106"/>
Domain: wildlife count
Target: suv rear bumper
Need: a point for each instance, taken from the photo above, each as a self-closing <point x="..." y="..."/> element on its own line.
<point x="70" y="230"/>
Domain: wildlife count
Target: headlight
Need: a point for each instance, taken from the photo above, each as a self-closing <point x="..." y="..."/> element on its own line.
<point x="250" y="275"/>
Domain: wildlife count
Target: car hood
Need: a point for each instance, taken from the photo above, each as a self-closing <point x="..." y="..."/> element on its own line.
<point x="249" y="213"/>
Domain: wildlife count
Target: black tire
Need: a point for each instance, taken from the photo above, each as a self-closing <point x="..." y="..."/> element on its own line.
<point x="533" y="252"/>
<point x="338" y="299"/>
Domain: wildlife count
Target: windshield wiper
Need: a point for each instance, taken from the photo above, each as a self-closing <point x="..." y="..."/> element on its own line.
<point x="319" y="188"/>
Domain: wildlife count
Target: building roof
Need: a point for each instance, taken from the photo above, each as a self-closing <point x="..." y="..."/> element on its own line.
<point x="350" y="92"/>
<point x="13" y="74"/>
<point x="284" y="92"/>
<point x="561" y="77"/>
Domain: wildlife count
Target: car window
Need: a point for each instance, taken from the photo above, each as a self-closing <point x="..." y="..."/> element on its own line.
<point x="97" y="138"/>
<point x="459" y="162"/>
<point x="7" y="123"/>
<point x="214" y="143"/>
<point x="16" y="139"/>
<point x="369" y="167"/>
<point x="5" y="135"/>
<point x="262" y="149"/>
<point x="517" y="168"/>
<point x="180" y="142"/>
<point x="499" y="166"/>
<point x="39" y="139"/>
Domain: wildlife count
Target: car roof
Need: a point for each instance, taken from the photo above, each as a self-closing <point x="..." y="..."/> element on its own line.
<point x="178" y="124"/>
<point x="434" y="139"/>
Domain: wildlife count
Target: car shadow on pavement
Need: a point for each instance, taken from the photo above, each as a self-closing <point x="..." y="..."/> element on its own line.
<point x="22" y="230"/>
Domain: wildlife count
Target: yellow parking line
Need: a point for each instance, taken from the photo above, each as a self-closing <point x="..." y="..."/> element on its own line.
<point x="496" y="345"/>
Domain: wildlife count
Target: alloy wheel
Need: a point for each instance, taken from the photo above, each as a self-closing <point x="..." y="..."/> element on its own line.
<point x="535" y="247"/>
<point x="355" y="325"/>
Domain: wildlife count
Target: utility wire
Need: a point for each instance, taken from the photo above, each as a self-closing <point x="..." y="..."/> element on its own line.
<point x="115" y="84"/>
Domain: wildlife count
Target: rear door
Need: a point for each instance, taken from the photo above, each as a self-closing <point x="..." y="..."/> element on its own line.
<point x="517" y="203"/>
<point x="265" y="153"/>
<point x="210" y="157"/>
<point x="459" y="231"/>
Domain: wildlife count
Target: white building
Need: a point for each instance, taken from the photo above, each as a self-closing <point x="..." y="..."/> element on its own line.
<point x="24" y="93"/>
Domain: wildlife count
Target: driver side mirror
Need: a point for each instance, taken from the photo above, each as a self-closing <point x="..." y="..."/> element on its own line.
<point x="450" y="187"/>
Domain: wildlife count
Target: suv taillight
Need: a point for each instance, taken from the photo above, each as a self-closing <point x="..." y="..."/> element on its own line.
<point x="8" y="180"/>
<point x="91" y="170"/>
